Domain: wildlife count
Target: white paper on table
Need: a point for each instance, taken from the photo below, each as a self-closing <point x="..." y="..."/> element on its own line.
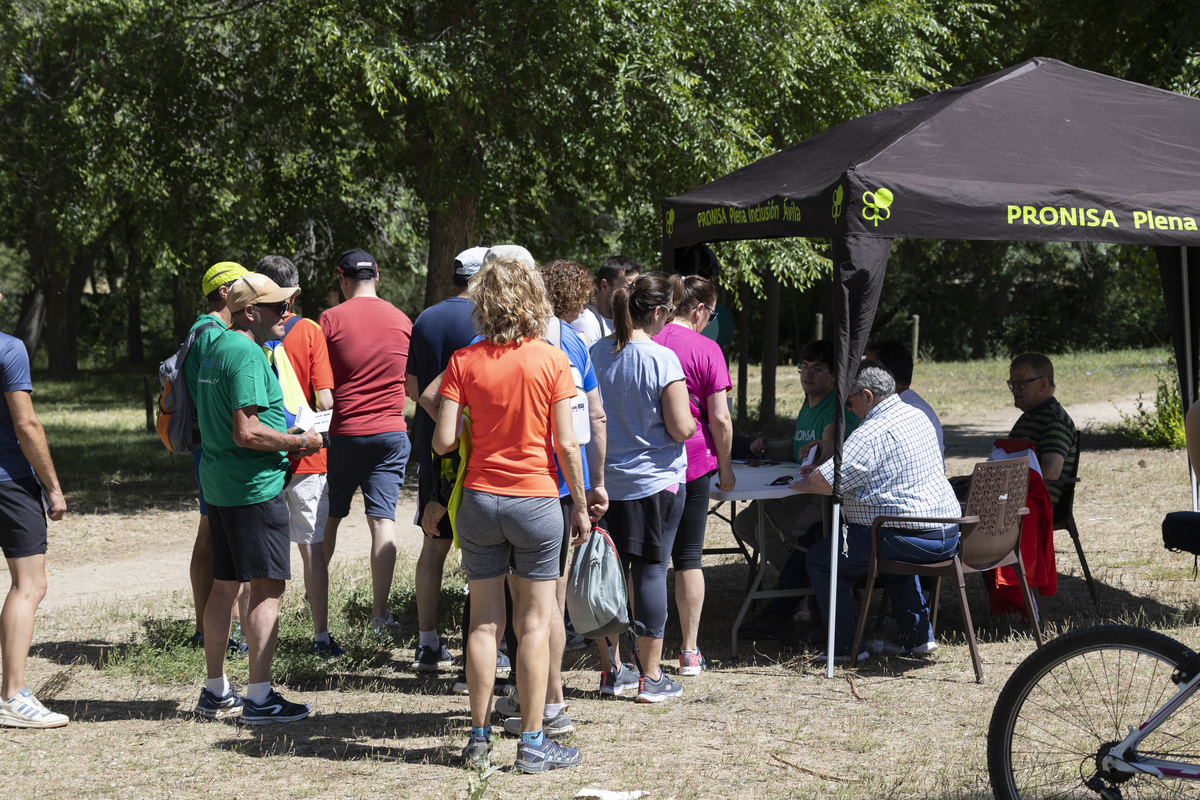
<point x="307" y="418"/>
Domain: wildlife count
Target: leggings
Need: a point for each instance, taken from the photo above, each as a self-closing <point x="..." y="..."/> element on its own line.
<point x="689" y="541"/>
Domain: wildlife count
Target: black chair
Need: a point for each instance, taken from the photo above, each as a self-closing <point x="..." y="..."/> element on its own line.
<point x="1064" y="520"/>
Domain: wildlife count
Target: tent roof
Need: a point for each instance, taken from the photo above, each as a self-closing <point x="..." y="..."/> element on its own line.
<point x="1039" y="151"/>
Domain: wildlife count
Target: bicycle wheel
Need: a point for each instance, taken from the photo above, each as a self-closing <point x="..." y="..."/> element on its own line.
<point x="1074" y="698"/>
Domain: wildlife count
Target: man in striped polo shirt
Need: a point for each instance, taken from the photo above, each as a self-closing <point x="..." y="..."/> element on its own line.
<point x="1044" y="421"/>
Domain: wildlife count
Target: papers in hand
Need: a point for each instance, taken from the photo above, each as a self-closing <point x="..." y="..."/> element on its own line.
<point x="810" y="457"/>
<point x="307" y="418"/>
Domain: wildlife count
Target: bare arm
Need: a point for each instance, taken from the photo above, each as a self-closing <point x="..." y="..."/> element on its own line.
<point x="721" y="425"/>
<point x="445" y="433"/>
<point x="324" y="399"/>
<point x="597" y="449"/>
<point x="812" y="482"/>
<point x="250" y="433"/>
<point x="32" y="438"/>
<point x="570" y="460"/>
<point x="1052" y="466"/>
<point x="410" y="387"/>
<point x="677" y="411"/>
<point x="430" y="400"/>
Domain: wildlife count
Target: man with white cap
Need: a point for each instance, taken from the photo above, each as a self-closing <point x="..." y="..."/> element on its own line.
<point x="440" y="330"/>
<point x="243" y="470"/>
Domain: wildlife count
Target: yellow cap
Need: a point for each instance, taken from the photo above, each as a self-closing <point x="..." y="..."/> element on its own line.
<point x="220" y="274"/>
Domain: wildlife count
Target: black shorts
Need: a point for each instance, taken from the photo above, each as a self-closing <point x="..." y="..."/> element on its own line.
<point x="22" y="519"/>
<point x="251" y="542"/>
<point x="639" y="528"/>
<point x="425" y="487"/>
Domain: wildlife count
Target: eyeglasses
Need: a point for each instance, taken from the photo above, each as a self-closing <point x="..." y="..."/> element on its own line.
<point x="851" y="397"/>
<point x="812" y="369"/>
<point x="669" y="308"/>
<point x="1014" y="385"/>
<point x="278" y="308"/>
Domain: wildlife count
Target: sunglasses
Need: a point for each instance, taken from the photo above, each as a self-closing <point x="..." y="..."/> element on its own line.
<point x="278" y="308"/>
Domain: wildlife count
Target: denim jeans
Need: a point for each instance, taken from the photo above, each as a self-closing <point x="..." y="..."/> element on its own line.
<point x="911" y="613"/>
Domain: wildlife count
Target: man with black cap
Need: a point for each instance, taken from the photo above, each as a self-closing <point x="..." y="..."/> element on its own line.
<point x="440" y="330"/>
<point x="368" y="341"/>
<point x="243" y="470"/>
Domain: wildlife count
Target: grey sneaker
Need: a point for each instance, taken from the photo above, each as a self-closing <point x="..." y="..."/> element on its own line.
<point x="546" y="756"/>
<point x="559" y="725"/>
<point x="659" y="690"/>
<point x="625" y="680"/>
<point x="477" y="754"/>
<point x="509" y="706"/>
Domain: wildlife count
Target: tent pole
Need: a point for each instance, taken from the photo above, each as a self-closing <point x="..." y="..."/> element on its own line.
<point x="835" y="541"/>
<point x="1189" y="379"/>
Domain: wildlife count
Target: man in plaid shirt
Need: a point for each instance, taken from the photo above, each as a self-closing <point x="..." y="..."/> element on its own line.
<point x="890" y="465"/>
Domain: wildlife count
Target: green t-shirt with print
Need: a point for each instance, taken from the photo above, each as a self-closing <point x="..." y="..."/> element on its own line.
<point x="232" y="373"/>
<point x="811" y="422"/>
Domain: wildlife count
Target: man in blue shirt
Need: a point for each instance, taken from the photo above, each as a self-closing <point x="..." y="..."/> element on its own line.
<point x="23" y="454"/>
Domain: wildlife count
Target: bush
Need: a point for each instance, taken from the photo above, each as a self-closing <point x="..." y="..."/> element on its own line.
<point x="1162" y="427"/>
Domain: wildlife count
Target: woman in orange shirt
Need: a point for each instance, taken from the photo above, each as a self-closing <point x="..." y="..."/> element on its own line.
<point x="518" y="389"/>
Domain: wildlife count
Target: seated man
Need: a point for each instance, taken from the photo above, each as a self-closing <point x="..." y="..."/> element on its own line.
<point x="1044" y="421"/>
<point x="791" y="517"/>
<point x="890" y="465"/>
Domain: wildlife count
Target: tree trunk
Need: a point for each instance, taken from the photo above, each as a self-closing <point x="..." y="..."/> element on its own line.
<point x="29" y="323"/>
<point x="743" y="337"/>
<point x="63" y="304"/>
<point x="770" y="351"/>
<point x="451" y="230"/>
<point x="183" y="306"/>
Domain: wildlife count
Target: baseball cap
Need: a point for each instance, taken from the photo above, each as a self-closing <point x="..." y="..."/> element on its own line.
<point x="220" y="274"/>
<point x="357" y="264"/>
<point x="468" y="262"/>
<point x="254" y="288"/>
<point x="511" y="252"/>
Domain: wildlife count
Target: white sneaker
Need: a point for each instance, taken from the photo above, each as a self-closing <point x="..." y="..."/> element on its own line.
<point x="385" y="626"/>
<point x="928" y="647"/>
<point x="24" y="711"/>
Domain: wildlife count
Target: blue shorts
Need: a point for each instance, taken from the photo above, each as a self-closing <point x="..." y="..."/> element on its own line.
<point x="196" y="465"/>
<point x="374" y="462"/>
<point x="22" y="518"/>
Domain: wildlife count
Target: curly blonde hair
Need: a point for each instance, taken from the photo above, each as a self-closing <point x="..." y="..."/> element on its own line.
<point x="569" y="287"/>
<point x="510" y="302"/>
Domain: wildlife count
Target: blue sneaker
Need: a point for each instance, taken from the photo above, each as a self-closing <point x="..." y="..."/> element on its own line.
<point x="546" y="756"/>
<point x="213" y="707"/>
<point x="427" y="659"/>
<point x="275" y="709"/>
<point x="614" y="684"/>
<point x="330" y="649"/>
<point x="503" y="665"/>
<point x="477" y="754"/>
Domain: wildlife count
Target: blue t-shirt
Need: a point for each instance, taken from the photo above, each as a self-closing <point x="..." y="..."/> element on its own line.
<point x="642" y="457"/>
<point x="439" y="331"/>
<point x="14" y="377"/>
<point x="584" y="376"/>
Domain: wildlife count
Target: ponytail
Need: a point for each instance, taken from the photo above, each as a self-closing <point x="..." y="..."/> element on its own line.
<point x="634" y="305"/>
<point x="622" y="321"/>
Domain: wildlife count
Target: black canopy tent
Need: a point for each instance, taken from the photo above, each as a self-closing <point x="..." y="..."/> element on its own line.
<point x="1041" y="151"/>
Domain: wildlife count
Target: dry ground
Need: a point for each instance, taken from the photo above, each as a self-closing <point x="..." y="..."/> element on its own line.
<point x="768" y="726"/>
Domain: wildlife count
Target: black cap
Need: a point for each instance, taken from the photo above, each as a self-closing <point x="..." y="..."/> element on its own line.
<point x="357" y="264"/>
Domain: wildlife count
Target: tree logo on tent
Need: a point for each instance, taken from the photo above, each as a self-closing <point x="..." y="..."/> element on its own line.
<point x="670" y="221"/>
<point x="837" y="202"/>
<point x="877" y="205"/>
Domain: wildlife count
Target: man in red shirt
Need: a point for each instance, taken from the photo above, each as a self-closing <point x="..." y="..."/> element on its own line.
<point x="307" y="493"/>
<point x="368" y="340"/>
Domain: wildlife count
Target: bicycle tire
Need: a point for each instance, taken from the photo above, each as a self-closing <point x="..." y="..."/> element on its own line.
<point x="1078" y="694"/>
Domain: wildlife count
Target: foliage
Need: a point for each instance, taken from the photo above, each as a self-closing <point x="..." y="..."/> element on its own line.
<point x="1160" y="427"/>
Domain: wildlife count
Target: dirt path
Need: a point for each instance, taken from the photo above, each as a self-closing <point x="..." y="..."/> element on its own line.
<point x="104" y="559"/>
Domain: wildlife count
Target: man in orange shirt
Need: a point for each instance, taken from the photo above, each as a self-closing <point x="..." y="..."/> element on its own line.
<point x="307" y="492"/>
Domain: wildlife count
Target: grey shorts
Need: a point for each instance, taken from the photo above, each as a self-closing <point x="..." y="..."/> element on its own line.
<point x="495" y="531"/>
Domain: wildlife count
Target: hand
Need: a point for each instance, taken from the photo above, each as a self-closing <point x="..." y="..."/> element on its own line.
<point x="58" y="504"/>
<point x="434" y="512"/>
<point x="581" y="526"/>
<point x="314" y="442"/>
<point x="759" y="447"/>
<point x="597" y="499"/>
<point x="725" y="479"/>
<point x="806" y="471"/>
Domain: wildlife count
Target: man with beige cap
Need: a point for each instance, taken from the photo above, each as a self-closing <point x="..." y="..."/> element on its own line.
<point x="243" y="470"/>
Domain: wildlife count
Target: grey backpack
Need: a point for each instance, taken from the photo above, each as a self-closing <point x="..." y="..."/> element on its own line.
<point x="596" y="596"/>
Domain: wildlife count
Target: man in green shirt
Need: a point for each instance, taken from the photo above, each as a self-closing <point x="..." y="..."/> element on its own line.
<point x="243" y="469"/>
<point x="1044" y="421"/>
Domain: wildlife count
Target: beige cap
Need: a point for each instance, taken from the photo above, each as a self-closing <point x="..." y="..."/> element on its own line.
<point x="254" y="288"/>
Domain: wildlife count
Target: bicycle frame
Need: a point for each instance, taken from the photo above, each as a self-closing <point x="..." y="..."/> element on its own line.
<point x="1117" y="758"/>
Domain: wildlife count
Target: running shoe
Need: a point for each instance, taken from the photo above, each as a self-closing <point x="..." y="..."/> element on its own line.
<point x="478" y="753"/>
<point x="691" y="663"/>
<point x="615" y="685"/>
<point x="330" y="649"/>
<point x="921" y="649"/>
<point x="554" y="727"/>
<point x="546" y="756"/>
<point x="385" y="626"/>
<point x="508" y="706"/>
<point x="26" y="711"/>
<point x="426" y="659"/>
<point x="274" y="709"/>
<point x="503" y="665"/>
<point x="460" y="684"/>
<point x="659" y="690"/>
<point x="214" y="707"/>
